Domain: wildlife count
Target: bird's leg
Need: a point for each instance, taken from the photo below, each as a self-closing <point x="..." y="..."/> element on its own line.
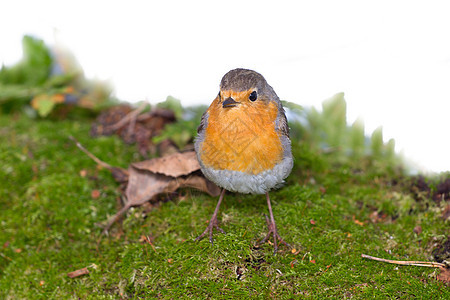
<point x="213" y="222"/>
<point x="272" y="228"/>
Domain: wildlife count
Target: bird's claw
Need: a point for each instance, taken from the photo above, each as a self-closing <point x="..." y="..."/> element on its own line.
<point x="273" y="231"/>
<point x="209" y="230"/>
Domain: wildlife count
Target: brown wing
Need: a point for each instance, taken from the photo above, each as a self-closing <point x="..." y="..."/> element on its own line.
<point x="203" y="122"/>
<point x="282" y="124"/>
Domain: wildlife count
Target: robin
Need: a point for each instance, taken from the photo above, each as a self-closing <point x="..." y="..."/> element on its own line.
<point x="243" y="142"/>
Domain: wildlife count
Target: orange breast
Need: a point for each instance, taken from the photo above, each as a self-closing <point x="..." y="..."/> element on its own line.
<point x="242" y="138"/>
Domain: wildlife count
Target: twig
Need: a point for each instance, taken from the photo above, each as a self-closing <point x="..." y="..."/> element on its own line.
<point x="4" y="256"/>
<point x="92" y="156"/>
<point x="130" y="116"/>
<point x="116" y="217"/>
<point x="78" y="273"/>
<point x="147" y="239"/>
<point x="430" y="264"/>
<point x="134" y="117"/>
<point x="112" y="169"/>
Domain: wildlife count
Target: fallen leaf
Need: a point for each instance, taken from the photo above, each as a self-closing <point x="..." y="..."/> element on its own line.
<point x="143" y="185"/>
<point x="149" y="178"/>
<point x="195" y="181"/>
<point x="133" y="126"/>
<point x="78" y="273"/>
<point x="418" y="229"/>
<point x="359" y="223"/>
<point x="362" y="284"/>
<point x="119" y="174"/>
<point x="356" y="221"/>
<point x="444" y="276"/>
<point x="174" y="165"/>
<point x="446" y="213"/>
<point x="45" y="103"/>
<point x="374" y="217"/>
<point x="167" y="147"/>
<point x="95" y="194"/>
<point x="144" y="180"/>
<point x="103" y="125"/>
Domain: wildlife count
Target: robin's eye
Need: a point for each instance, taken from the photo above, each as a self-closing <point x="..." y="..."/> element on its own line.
<point x="253" y="96"/>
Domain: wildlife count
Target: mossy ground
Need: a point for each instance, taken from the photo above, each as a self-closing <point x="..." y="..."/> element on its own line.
<point x="49" y="223"/>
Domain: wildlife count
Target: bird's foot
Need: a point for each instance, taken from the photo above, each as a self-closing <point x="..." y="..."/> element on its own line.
<point x="213" y="223"/>
<point x="273" y="232"/>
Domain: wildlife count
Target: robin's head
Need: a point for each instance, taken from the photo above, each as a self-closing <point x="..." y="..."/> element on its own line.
<point x="244" y="87"/>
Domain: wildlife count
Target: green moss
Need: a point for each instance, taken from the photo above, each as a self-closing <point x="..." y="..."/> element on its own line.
<point x="49" y="227"/>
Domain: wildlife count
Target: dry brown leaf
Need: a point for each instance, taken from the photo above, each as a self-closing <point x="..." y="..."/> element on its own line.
<point x="95" y="194"/>
<point x="119" y="174"/>
<point x="195" y="181"/>
<point x="132" y="125"/>
<point x="446" y="213"/>
<point x="174" y="165"/>
<point x="103" y="125"/>
<point x="167" y="147"/>
<point x="444" y="276"/>
<point x="374" y="217"/>
<point x="147" y="179"/>
<point x="357" y="222"/>
<point x="144" y="185"/>
<point x="418" y="229"/>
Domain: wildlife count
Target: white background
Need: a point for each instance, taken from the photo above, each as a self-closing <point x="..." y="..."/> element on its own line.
<point x="390" y="58"/>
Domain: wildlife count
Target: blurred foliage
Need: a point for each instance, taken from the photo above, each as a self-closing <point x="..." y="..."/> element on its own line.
<point x="33" y="69"/>
<point x="174" y="105"/>
<point x="181" y="133"/>
<point x="327" y="131"/>
<point x="184" y="130"/>
<point x="44" y="79"/>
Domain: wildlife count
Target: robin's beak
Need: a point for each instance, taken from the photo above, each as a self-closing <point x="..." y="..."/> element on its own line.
<point x="229" y="102"/>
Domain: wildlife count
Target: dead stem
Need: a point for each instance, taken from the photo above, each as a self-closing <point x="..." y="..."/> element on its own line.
<point x="430" y="264"/>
